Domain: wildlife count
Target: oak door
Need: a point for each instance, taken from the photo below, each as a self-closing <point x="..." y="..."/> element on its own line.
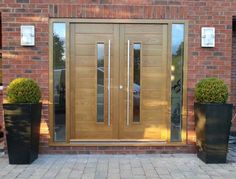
<point x="93" y="79"/>
<point x="114" y="95"/>
<point x="144" y="75"/>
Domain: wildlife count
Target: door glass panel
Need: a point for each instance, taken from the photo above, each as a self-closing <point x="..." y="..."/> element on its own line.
<point x="0" y="53"/>
<point x="136" y="82"/>
<point x="59" y="58"/>
<point x="100" y="82"/>
<point x="177" y="80"/>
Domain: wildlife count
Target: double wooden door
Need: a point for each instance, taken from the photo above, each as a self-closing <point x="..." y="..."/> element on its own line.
<point x="119" y="82"/>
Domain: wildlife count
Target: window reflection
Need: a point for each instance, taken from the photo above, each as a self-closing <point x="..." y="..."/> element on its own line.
<point x="177" y="80"/>
<point x="0" y="53"/>
<point x="100" y="82"/>
<point x="59" y="80"/>
<point x="136" y="84"/>
<point x="0" y="71"/>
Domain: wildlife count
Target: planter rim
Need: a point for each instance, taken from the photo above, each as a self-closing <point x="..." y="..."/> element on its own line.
<point x="20" y="103"/>
<point x="213" y="103"/>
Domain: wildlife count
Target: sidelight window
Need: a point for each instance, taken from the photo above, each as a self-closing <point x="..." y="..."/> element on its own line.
<point x="177" y="81"/>
<point x="59" y="85"/>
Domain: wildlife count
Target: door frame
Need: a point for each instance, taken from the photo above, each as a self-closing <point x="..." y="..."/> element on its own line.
<point x="113" y="21"/>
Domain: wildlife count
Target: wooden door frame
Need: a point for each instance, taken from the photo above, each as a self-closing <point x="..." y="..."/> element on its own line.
<point x="113" y="21"/>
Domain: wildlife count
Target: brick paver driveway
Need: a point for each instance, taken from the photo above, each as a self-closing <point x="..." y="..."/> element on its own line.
<point x="175" y="166"/>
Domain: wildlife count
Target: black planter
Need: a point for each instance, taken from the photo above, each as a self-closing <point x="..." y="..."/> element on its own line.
<point x="213" y="123"/>
<point x="22" y="122"/>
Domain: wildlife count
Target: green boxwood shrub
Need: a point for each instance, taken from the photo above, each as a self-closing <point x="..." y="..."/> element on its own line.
<point x="211" y="90"/>
<point x="23" y="90"/>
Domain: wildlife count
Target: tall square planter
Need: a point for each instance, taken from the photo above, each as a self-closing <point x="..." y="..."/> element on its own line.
<point x="213" y="123"/>
<point x="22" y="123"/>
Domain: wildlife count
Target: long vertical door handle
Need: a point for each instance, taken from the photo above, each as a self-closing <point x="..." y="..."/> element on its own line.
<point x="128" y="85"/>
<point x="109" y="85"/>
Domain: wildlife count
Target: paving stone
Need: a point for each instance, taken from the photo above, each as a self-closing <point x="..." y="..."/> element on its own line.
<point x="177" y="166"/>
<point x="113" y="176"/>
<point x="140" y="177"/>
<point x="75" y="174"/>
<point x="35" y="177"/>
<point x="165" y="176"/>
<point x="113" y="171"/>
<point x="151" y="173"/>
<point x="138" y="171"/>
<point x="178" y="175"/>
<point x="88" y="176"/>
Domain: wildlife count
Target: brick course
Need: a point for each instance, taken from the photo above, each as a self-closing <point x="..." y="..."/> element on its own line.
<point x="33" y="61"/>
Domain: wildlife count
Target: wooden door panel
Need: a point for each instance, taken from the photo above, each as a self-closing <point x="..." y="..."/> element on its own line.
<point x="86" y="61"/>
<point x="154" y="95"/>
<point x="94" y="29"/>
<point x="86" y="50"/>
<point x="85" y="100"/>
<point x="143" y="29"/>
<point x="148" y="39"/>
<point x="154" y="91"/>
<point x="152" y="61"/>
<point x="151" y="50"/>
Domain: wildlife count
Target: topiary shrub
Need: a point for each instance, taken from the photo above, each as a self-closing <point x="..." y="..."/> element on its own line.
<point x="211" y="90"/>
<point x="23" y="90"/>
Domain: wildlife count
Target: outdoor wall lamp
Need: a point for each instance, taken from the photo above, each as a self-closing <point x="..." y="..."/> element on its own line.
<point x="27" y="35"/>
<point x="208" y="37"/>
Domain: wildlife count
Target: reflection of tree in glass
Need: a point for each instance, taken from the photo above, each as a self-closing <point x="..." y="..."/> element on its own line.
<point x="100" y="72"/>
<point x="178" y="64"/>
<point x="136" y="84"/>
<point x="0" y="69"/>
<point x="58" y="52"/>
<point x="100" y="62"/>
<point x="176" y="92"/>
<point x="137" y="66"/>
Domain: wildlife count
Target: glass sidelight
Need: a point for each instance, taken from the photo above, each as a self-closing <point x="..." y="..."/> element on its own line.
<point x="177" y="81"/>
<point x="59" y="60"/>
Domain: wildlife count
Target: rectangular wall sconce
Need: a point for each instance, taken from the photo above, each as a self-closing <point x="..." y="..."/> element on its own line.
<point x="208" y="37"/>
<point x="27" y="35"/>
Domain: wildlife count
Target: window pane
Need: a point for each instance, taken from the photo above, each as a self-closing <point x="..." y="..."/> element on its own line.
<point x="136" y="84"/>
<point x="59" y="58"/>
<point x="0" y="69"/>
<point x="100" y="82"/>
<point x="0" y="48"/>
<point x="177" y="80"/>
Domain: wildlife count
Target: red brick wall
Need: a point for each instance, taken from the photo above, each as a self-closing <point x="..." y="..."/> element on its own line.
<point x="233" y="87"/>
<point x="33" y="61"/>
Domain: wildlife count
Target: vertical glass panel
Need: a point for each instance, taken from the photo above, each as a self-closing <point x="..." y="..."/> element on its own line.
<point x="100" y="82"/>
<point x="136" y="82"/>
<point x="0" y="53"/>
<point x="59" y="58"/>
<point x="177" y="80"/>
<point x="1" y="71"/>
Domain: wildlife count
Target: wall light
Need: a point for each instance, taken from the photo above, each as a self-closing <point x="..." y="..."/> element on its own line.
<point x="27" y="35"/>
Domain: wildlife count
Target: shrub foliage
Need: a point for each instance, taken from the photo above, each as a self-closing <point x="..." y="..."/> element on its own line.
<point x="211" y="90"/>
<point x="23" y="90"/>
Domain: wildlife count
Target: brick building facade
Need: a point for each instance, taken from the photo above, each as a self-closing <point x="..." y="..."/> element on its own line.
<point x="34" y="62"/>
